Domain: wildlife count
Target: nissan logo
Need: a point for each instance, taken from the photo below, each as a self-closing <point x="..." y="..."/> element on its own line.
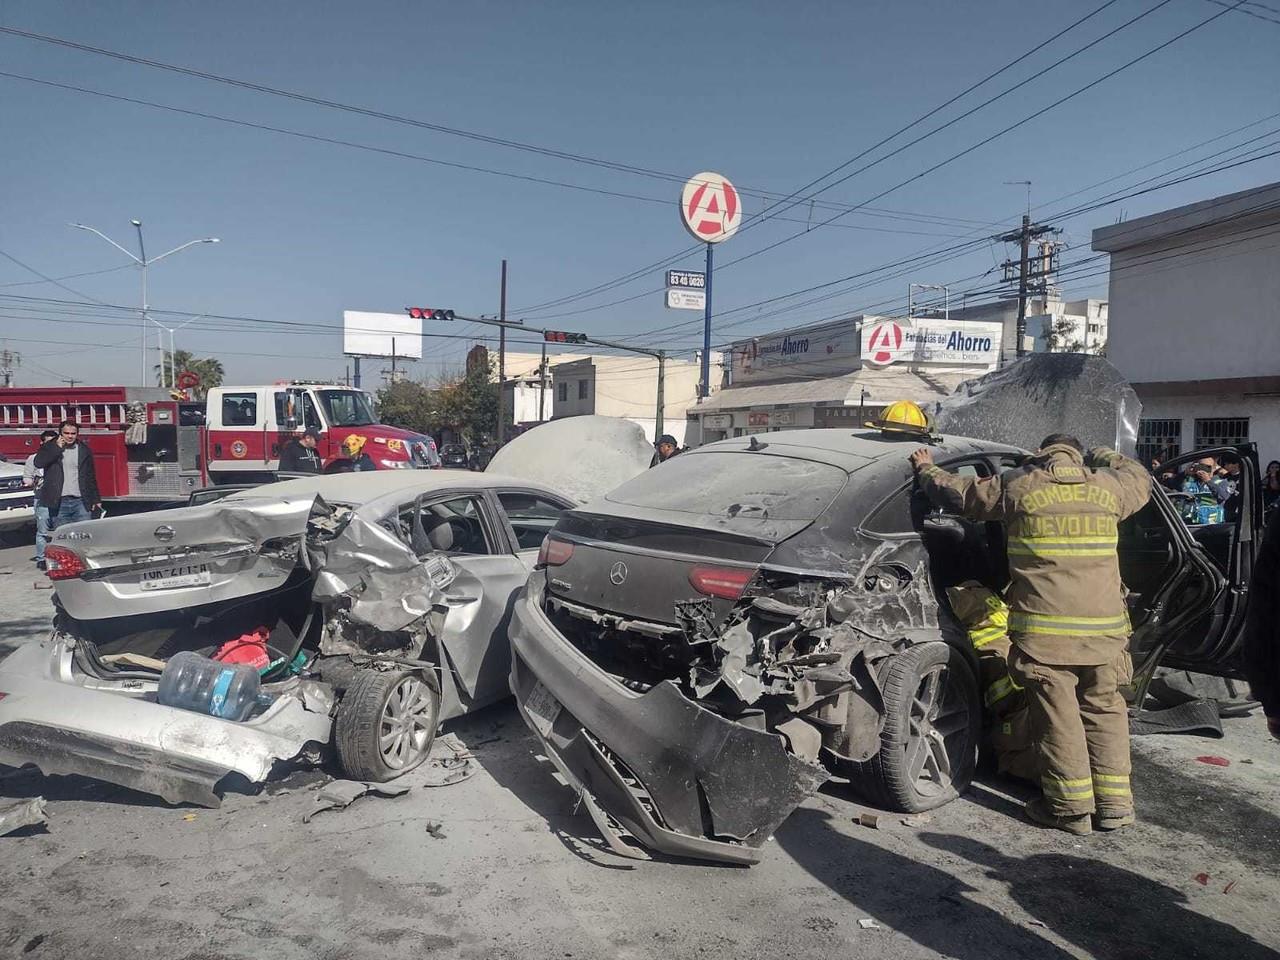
<point x="618" y="573"/>
<point x="164" y="533"/>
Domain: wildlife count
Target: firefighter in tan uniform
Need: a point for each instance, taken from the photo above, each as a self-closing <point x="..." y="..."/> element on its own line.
<point x="1067" y="617"/>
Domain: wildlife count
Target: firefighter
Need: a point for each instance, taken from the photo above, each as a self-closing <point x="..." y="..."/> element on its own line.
<point x="1067" y="617"/>
<point x="299" y="454"/>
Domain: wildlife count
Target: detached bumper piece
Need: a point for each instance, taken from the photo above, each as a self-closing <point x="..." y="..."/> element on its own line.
<point x="681" y="779"/>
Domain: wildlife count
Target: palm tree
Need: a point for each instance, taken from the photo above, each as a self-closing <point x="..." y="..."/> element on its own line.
<point x="208" y="369"/>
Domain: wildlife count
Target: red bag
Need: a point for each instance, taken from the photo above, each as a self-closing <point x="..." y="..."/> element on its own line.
<point x="250" y="648"/>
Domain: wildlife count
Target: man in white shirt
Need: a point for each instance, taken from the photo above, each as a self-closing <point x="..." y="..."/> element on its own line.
<point x="33" y="476"/>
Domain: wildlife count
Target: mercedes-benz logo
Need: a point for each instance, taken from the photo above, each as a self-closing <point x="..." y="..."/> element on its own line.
<point x="618" y="573"/>
<point x="164" y="533"/>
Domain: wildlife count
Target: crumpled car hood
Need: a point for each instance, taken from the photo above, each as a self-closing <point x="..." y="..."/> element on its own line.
<point x="585" y="457"/>
<point x="1045" y="393"/>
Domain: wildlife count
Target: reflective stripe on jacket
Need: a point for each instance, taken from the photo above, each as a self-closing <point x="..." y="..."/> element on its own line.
<point x="1066" y="601"/>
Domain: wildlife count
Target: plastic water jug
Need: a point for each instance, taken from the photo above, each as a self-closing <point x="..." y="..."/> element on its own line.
<point x="226" y="690"/>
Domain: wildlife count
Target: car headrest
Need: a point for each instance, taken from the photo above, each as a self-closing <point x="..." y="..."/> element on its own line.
<point x="441" y="535"/>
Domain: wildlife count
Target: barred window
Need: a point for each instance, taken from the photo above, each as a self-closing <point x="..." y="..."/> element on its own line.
<point x="1225" y="432"/>
<point x="1159" y="439"/>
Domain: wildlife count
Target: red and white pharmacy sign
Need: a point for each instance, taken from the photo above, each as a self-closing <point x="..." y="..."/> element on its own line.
<point x="710" y="208"/>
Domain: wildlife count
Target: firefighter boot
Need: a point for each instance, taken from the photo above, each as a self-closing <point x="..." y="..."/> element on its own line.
<point x="1108" y="821"/>
<point x="1038" y="812"/>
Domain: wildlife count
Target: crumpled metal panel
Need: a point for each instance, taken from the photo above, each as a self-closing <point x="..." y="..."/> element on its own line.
<point x="1045" y="393"/>
<point x="388" y="586"/>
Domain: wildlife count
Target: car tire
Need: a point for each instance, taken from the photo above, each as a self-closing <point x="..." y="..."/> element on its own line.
<point x="386" y="724"/>
<point x="932" y="728"/>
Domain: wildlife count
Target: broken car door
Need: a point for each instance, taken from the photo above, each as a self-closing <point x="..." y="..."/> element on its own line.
<point x="530" y="517"/>
<point x="487" y="574"/>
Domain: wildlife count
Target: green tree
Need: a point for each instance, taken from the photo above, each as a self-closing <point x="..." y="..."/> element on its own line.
<point x="208" y="369"/>
<point x="413" y="406"/>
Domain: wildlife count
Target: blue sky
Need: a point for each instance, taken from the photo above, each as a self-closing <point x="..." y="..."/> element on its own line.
<point x="769" y="94"/>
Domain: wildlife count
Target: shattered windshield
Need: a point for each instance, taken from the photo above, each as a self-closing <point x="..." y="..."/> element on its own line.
<point x="734" y="488"/>
<point x="347" y="408"/>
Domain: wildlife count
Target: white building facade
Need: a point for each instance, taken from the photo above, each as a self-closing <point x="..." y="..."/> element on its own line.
<point x="627" y="386"/>
<point x="1195" y="297"/>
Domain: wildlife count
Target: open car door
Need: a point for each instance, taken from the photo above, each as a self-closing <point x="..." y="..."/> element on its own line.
<point x="1188" y="579"/>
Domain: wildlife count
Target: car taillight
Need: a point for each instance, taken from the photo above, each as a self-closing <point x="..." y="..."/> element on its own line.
<point x="724" y="582"/>
<point x="62" y="564"/>
<point x="554" y="553"/>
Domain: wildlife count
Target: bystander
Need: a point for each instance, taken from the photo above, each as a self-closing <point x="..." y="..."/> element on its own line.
<point x="33" y="476"/>
<point x="69" y="488"/>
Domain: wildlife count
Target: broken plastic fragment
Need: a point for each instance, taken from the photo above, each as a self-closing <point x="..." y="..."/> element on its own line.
<point x="866" y="923"/>
<point x="22" y="813"/>
<point x="341" y="793"/>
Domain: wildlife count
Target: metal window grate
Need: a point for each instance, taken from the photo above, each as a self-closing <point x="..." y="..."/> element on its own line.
<point x="1159" y="440"/>
<point x="1224" y="432"/>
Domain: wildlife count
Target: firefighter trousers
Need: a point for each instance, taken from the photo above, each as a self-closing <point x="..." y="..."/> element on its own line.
<point x="1080" y="728"/>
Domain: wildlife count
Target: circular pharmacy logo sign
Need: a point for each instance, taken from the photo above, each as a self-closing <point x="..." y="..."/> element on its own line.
<point x="883" y="343"/>
<point x="711" y="208"/>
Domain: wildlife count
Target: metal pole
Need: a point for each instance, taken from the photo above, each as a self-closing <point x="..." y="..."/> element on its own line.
<point x="910" y="290"/>
<point x="946" y="302"/>
<point x="393" y="360"/>
<point x="502" y="349"/>
<point x="173" y="361"/>
<point x="355" y="377"/>
<point x="706" y="333"/>
<point x="1020" y="331"/>
<point x="542" y="389"/>
<point x="160" y="347"/>
<point x="142" y="253"/>
<point x="659" y="425"/>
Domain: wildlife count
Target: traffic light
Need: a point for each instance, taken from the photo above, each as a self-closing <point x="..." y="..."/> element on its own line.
<point x="427" y="313"/>
<point x="559" y="336"/>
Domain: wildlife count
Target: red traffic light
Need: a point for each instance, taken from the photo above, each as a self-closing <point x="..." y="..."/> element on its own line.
<point x="560" y="336"/>
<point x="427" y="313"/>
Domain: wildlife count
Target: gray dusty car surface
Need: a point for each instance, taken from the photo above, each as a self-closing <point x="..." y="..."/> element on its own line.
<point x="395" y="588"/>
<point x="701" y="648"/>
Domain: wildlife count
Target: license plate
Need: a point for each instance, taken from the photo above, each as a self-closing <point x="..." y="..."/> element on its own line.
<point x="542" y="708"/>
<point x="167" y="578"/>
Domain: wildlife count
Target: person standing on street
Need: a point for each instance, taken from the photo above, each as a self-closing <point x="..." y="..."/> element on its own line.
<point x="33" y="476"/>
<point x="1067" y="616"/>
<point x="667" y="448"/>
<point x="69" y="479"/>
<point x="299" y="454"/>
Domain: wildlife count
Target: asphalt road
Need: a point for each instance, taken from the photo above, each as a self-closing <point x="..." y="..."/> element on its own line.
<point x="517" y="873"/>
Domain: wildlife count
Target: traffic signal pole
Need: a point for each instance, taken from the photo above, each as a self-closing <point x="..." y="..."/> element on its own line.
<point x="557" y="336"/>
<point x="502" y="355"/>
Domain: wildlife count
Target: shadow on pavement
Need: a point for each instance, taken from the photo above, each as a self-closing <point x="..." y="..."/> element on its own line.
<point x="1105" y="911"/>
<point x="16" y="631"/>
<point x="914" y="899"/>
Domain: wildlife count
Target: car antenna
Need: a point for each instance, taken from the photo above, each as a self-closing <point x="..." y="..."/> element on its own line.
<point x="755" y="444"/>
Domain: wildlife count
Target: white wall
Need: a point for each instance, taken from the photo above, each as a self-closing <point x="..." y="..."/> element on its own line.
<point x="1263" y="414"/>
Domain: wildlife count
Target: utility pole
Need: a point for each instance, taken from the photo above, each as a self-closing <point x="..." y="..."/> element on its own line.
<point x="542" y="386"/>
<point x="71" y="382"/>
<point x="502" y="354"/>
<point x="9" y="361"/>
<point x="1031" y="276"/>
<point x="704" y="389"/>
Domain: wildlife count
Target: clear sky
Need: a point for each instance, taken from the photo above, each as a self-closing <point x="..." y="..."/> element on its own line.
<point x="770" y="94"/>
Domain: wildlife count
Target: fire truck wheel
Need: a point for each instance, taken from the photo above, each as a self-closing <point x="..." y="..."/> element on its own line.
<point x="386" y="724"/>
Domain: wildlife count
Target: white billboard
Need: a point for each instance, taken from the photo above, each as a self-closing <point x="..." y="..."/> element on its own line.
<point x="823" y="351"/>
<point x="381" y="335"/>
<point x="887" y="340"/>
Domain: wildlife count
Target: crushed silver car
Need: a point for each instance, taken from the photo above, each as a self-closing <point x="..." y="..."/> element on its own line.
<point x="382" y="601"/>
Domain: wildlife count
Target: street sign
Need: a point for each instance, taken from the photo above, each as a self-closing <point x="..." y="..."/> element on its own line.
<point x="686" y="299"/>
<point x="710" y="208"/>
<point x="689" y="279"/>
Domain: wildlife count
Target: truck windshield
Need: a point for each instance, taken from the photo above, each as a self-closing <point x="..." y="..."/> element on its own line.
<point x="346" y="408"/>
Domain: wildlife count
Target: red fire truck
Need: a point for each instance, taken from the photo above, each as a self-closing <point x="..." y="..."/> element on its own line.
<point x="148" y="445"/>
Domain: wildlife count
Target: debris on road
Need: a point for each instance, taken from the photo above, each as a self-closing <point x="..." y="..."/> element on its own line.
<point x="871" y="820"/>
<point x="342" y="793"/>
<point x="450" y="762"/>
<point x="1230" y="886"/>
<point x="1202" y="879"/>
<point x="435" y="830"/>
<point x="1214" y="761"/>
<point x="916" y="820"/>
<point x="22" y="813"/>
<point x="868" y="924"/>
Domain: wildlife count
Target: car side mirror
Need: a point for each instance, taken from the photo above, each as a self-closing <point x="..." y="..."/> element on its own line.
<point x="945" y="526"/>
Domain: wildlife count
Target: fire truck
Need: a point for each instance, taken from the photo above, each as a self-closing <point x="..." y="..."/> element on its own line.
<point x="156" y="445"/>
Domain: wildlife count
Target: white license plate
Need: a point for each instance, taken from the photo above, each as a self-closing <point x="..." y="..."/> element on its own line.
<point x="542" y="708"/>
<point x="168" y="578"/>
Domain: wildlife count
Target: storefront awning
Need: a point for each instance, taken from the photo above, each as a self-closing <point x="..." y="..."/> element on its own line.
<point x="883" y="386"/>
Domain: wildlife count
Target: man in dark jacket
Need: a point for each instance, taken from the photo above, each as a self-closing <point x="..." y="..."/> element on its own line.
<point x="70" y="486"/>
<point x="299" y="454"/>
<point x="1262" y="629"/>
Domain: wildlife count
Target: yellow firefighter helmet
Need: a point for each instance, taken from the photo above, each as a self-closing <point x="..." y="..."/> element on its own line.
<point x="903" y="417"/>
<point x="352" y="444"/>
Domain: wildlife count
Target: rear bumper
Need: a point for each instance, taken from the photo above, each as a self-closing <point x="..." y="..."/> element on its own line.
<point x="681" y="779"/>
<point x="50" y="717"/>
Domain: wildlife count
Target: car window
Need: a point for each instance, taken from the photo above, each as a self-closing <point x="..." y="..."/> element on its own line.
<point x="451" y="526"/>
<point x="902" y="512"/>
<point x="532" y="516"/>
<point x="239" y="409"/>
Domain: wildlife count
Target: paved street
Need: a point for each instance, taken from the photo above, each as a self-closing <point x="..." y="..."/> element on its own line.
<point x="519" y="874"/>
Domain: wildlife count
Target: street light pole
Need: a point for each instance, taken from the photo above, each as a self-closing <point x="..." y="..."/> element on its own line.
<point x="143" y="263"/>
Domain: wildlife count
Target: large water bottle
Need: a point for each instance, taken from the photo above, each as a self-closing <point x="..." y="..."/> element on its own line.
<point x="226" y="690"/>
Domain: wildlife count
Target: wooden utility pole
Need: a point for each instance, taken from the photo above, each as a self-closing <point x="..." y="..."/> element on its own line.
<point x="1032" y="276"/>
<point x="502" y="354"/>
